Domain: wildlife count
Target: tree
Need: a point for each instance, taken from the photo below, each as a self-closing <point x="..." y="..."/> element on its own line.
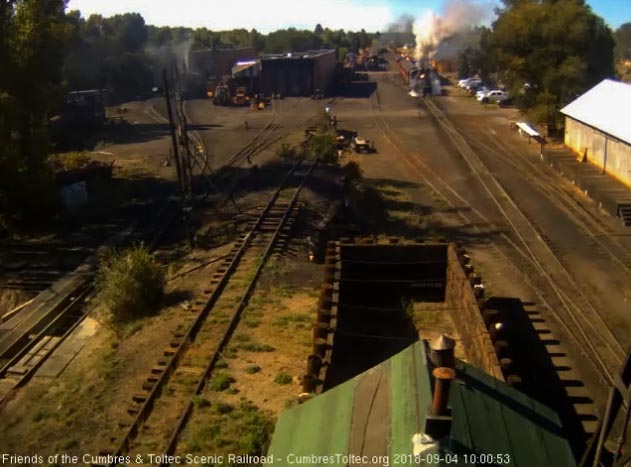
<point x="33" y="35"/>
<point x="623" y="42"/>
<point x="318" y="30"/>
<point x="559" y="48"/>
<point x="464" y="62"/>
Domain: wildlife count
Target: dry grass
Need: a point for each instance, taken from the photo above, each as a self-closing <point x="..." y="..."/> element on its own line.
<point x="260" y="374"/>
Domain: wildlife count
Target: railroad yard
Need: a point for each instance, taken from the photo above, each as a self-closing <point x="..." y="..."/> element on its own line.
<point x="245" y="311"/>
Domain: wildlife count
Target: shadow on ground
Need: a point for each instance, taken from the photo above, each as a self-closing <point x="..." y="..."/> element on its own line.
<point x="381" y="206"/>
<point x="532" y="362"/>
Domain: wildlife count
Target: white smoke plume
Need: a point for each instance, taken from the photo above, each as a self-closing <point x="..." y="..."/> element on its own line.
<point x="458" y="16"/>
<point x="173" y="53"/>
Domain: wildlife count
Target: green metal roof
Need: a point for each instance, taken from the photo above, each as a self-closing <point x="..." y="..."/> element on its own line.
<point x="377" y="413"/>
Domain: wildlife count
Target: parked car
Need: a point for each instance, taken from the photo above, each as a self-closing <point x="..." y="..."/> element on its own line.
<point x="463" y="82"/>
<point x="481" y="91"/>
<point x="473" y="83"/>
<point x="493" y="96"/>
<point x="472" y="90"/>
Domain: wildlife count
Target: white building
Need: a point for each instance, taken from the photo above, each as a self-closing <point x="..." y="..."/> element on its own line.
<point x="598" y="128"/>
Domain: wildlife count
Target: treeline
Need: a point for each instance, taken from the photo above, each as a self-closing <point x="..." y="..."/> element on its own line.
<point x="46" y="51"/>
<point x="125" y="55"/>
<point x="546" y="52"/>
<point x="33" y="37"/>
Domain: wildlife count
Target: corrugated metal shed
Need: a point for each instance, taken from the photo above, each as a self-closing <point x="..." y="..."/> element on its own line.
<point x="604" y="107"/>
<point x="377" y="413"/>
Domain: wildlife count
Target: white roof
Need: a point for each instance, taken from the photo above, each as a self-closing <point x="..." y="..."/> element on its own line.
<point x="604" y="107"/>
<point x="527" y="128"/>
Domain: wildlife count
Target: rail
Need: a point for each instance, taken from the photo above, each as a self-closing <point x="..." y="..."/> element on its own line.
<point x="179" y="347"/>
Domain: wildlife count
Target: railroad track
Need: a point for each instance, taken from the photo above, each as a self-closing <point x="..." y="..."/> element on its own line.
<point x="29" y="340"/>
<point x="579" y="309"/>
<point x="269" y="134"/>
<point x="519" y="241"/>
<point x="547" y="183"/>
<point x="192" y="353"/>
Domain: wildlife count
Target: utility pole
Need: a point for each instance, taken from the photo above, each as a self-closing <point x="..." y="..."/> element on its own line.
<point x="174" y="142"/>
<point x="180" y="138"/>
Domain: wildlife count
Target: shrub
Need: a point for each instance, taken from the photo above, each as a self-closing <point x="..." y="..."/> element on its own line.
<point x="324" y="147"/>
<point x="130" y="283"/>
<point x="223" y="408"/>
<point x="253" y="369"/>
<point x="283" y="379"/>
<point x="221" y="382"/>
<point x="75" y="160"/>
<point x="200" y="402"/>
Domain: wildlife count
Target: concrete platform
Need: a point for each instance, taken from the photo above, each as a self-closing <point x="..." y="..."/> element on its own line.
<point x="607" y="191"/>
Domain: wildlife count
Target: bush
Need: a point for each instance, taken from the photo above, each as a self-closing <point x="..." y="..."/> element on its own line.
<point x="283" y="379"/>
<point x="253" y="369"/>
<point x="200" y="402"/>
<point x="221" y="382"/>
<point x="130" y="283"/>
<point x="75" y="160"/>
<point x="324" y="147"/>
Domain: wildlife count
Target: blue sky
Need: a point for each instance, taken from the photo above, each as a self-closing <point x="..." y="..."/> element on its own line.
<point x="615" y="12"/>
<point x="267" y="15"/>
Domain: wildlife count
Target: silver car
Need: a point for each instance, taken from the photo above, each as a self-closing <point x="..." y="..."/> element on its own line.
<point x="493" y="96"/>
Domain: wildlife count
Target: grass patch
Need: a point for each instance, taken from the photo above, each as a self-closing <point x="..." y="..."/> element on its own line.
<point x="243" y="429"/>
<point x="223" y="408"/>
<point x="200" y="402"/>
<point x="242" y="338"/>
<point x="252" y="369"/>
<point x="283" y="321"/>
<point x="258" y="348"/>
<point x="220" y="382"/>
<point x="283" y="291"/>
<point x="252" y="323"/>
<point x="283" y="379"/>
<point x="108" y="365"/>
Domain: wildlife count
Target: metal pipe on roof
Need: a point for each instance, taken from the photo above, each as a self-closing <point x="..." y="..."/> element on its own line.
<point x="442" y="352"/>
<point x="443" y="377"/>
